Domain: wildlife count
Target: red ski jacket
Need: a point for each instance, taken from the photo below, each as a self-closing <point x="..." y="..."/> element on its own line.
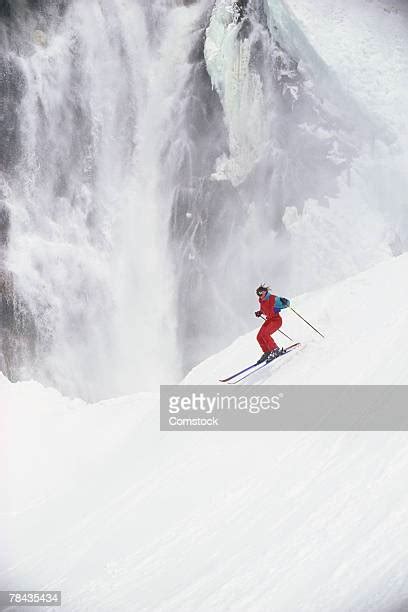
<point x="270" y="306"/>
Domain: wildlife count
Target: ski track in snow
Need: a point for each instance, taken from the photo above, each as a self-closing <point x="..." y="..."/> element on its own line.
<point x="120" y="516"/>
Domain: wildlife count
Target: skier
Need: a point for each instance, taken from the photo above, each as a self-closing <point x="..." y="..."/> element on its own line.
<point x="271" y="305"/>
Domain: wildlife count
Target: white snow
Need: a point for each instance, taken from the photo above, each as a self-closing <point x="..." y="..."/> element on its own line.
<point x="352" y="40"/>
<point x="120" y="516"/>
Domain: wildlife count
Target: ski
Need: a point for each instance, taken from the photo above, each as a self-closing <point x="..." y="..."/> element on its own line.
<point x="238" y="373"/>
<point x="255" y="364"/>
<point x="287" y="350"/>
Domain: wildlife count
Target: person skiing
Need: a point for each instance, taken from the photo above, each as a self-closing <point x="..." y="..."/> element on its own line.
<point x="270" y="306"/>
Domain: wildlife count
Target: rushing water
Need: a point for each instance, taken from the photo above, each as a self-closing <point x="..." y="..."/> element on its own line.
<point x="87" y="246"/>
<point x="155" y="156"/>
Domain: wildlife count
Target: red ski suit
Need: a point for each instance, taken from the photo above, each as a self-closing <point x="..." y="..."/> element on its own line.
<point x="271" y="325"/>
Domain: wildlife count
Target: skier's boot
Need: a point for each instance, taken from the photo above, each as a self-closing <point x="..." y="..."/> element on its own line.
<point x="264" y="357"/>
<point x="275" y="353"/>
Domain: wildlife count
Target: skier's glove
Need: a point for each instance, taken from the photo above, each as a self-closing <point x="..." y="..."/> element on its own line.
<point x="285" y="302"/>
<point x="258" y="313"/>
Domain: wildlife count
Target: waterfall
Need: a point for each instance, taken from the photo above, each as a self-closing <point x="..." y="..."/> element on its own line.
<point x="85" y="212"/>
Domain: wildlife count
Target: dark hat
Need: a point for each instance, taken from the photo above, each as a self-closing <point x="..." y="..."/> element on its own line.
<point x="261" y="289"/>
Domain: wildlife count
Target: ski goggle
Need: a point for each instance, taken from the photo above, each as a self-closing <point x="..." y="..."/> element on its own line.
<point x="259" y="292"/>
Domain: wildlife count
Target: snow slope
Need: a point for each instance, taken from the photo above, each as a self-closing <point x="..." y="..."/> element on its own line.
<point x="352" y="41"/>
<point x="365" y="322"/>
<point x="122" y="517"/>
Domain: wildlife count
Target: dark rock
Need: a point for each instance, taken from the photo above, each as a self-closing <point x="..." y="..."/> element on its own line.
<point x="11" y="92"/>
<point x="5" y="9"/>
<point x="241" y="7"/>
<point x="45" y="5"/>
<point x="4" y="226"/>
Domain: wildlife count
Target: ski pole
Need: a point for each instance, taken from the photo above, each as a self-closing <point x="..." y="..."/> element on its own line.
<point x="286" y="335"/>
<point x="296" y="313"/>
<point x="279" y="330"/>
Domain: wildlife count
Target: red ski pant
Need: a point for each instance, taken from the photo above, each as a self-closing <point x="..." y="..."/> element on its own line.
<point x="264" y="338"/>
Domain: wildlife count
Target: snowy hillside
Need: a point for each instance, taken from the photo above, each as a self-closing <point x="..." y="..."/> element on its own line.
<point x="365" y="323"/>
<point x="122" y="517"/>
